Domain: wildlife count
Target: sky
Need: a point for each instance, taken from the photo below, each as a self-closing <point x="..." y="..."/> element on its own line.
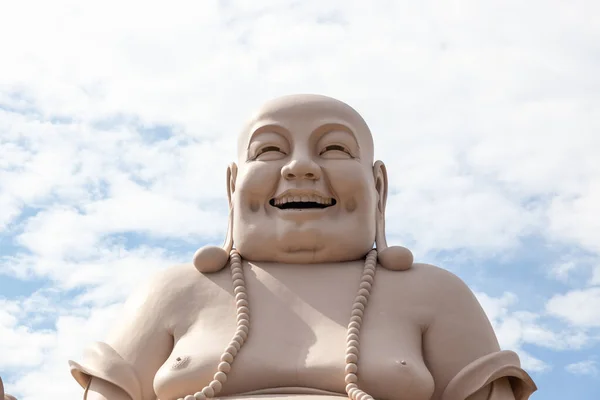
<point x="118" y="120"/>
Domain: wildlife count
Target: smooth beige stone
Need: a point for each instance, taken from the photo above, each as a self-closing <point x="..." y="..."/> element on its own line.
<point x="416" y="333"/>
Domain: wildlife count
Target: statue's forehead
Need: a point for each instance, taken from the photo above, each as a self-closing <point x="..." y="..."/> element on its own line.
<point x="296" y="108"/>
<point x="308" y="111"/>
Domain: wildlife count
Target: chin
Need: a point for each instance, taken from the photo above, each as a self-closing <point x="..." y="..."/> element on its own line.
<point x="296" y="247"/>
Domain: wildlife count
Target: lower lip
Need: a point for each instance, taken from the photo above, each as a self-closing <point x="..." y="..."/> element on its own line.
<point x="291" y="212"/>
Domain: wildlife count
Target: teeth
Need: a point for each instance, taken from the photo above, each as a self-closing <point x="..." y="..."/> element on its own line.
<point x="304" y="198"/>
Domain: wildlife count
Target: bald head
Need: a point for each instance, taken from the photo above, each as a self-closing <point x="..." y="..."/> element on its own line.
<point x="315" y="151"/>
<point x="307" y="111"/>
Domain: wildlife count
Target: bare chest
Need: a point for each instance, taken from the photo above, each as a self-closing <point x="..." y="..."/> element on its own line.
<point x="297" y="337"/>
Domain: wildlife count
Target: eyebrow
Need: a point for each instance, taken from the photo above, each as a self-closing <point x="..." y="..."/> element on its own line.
<point x="328" y="127"/>
<point x="269" y="127"/>
<point x="320" y="131"/>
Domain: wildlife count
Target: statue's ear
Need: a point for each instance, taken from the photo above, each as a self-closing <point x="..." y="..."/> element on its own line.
<point x="381" y="186"/>
<point x="231" y="177"/>
<point x="395" y="258"/>
<point x="212" y="258"/>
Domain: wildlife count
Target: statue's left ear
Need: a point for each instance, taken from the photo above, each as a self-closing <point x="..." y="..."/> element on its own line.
<point x="381" y="186"/>
<point x="396" y="258"/>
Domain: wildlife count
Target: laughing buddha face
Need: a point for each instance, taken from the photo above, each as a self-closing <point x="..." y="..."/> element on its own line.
<point x="305" y="189"/>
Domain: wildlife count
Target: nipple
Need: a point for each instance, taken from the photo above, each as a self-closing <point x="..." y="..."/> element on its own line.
<point x="180" y="362"/>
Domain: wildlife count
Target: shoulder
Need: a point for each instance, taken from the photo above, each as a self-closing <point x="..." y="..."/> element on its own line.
<point x="434" y="290"/>
<point x="169" y="280"/>
<point x="170" y="286"/>
<point x="178" y="276"/>
<point x="445" y="291"/>
<point x="429" y="281"/>
<point x="453" y="307"/>
<point x="185" y="277"/>
<point x="440" y="280"/>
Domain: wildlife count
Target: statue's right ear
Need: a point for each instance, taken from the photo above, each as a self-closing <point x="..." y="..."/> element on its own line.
<point x="212" y="258"/>
<point x="231" y="177"/>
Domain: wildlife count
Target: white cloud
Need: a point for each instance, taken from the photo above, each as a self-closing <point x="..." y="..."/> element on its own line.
<point x="578" y="307"/>
<point x="561" y="270"/>
<point x="586" y="367"/>
<point x="571" y="219"/>
<point x="21" y="345"/>
<point x="516" y="328"/>
<point x="510" y="329"/>
<point x="75" y="328"/>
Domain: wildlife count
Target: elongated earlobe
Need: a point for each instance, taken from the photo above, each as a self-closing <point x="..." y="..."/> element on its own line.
<point x="395" y="258"/>
<point x="214" y="258"/>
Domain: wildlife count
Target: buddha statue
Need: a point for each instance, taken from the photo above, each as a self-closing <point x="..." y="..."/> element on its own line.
<point x="305" y="300"/>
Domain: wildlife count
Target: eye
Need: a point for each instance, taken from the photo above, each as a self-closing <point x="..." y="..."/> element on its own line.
<point x="270" y="153"/>
<point x="335" y="151"/>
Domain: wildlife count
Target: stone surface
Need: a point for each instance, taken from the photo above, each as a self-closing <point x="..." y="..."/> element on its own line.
<point x="311" y="303"/>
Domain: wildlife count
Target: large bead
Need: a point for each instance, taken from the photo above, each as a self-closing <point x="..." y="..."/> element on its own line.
<point x="224" y="366"/>
<point x="353" y="330"/>
<point x="351" y="358"/>
<point x="351" y="368"/>
<point x="210" y="259"/>
<point x="220" y="376"/>
<point x="352" y="350"/>
<point x="396" y="258"/>
<point x="216" y="386"/>
<point x="352" y="336"/>
<point x="208" y="391"/>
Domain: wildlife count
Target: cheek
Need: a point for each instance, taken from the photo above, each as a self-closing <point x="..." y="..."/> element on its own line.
<point x="258" y="180"/>
<point x="355" y="188"/>
<point x="352" y="180"/>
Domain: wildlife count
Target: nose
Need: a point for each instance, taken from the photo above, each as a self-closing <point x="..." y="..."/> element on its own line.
<point x="304" y="168"/>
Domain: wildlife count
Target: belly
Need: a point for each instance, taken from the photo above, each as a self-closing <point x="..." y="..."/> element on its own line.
<point x="286" y="394"/>
<point x="297" y="340"/>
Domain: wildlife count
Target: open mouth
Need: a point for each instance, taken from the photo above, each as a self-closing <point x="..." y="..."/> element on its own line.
<point x="302" y="202"/>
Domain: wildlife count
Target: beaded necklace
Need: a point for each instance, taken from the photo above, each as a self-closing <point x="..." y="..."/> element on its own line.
<point x="243" y="325"/>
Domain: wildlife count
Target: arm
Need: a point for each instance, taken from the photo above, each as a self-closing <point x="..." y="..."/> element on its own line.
<point x="462" y="352"/>
<point x="99" y="389"/>
<point x="125" y="366"/>
<point x="498" y="390"/>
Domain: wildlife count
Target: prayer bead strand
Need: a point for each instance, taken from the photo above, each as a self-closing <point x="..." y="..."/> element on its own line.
<point x="239" y="337"/>
<point x="353" y="334"/>
<point x="243" y="326"/>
